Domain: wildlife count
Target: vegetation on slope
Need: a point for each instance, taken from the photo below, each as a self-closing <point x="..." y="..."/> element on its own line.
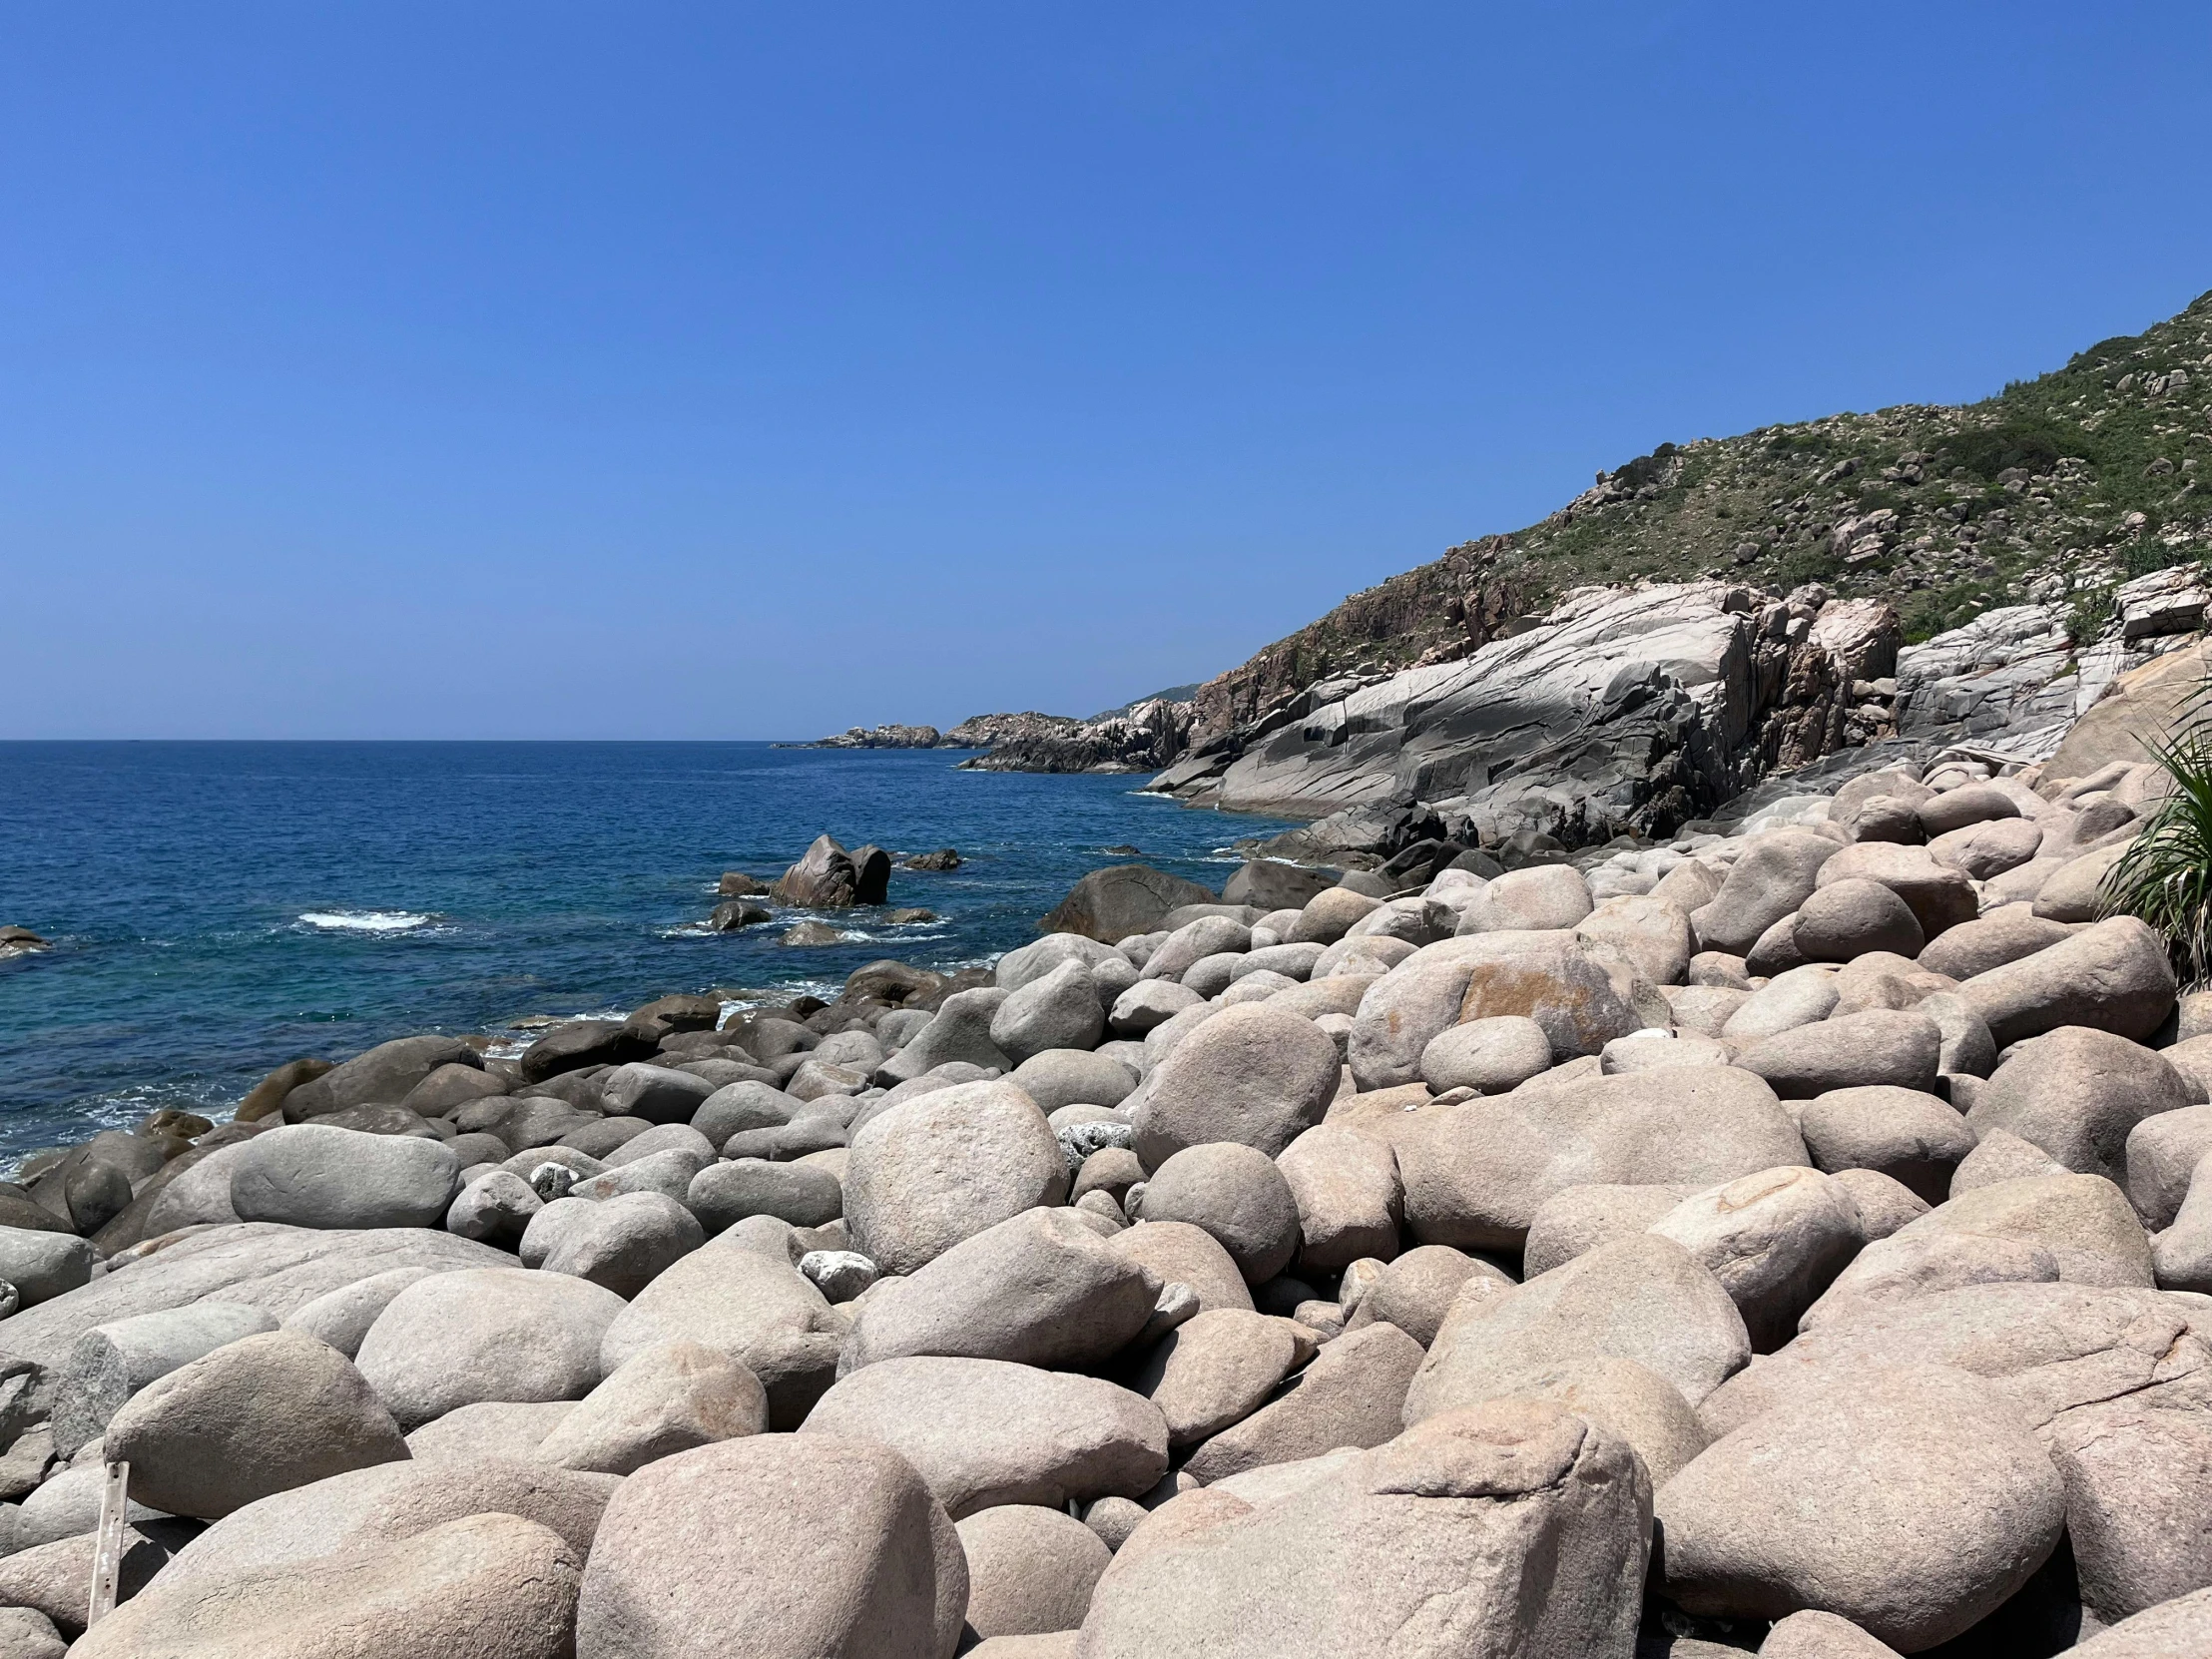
<point x="2054" y="490"/>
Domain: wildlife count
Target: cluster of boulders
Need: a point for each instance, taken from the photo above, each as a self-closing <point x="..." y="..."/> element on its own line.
<point x="827" y="877"/>
<point x="1794" y="1240"/>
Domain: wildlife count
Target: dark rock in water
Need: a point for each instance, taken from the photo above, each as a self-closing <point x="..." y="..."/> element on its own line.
<point x="580" y="1043"/>
<point x="18" y="940"/>
<point x="945" y="858"/>
<point x="266" y="1098"/>
<point x="735" y="883"/>
<point x="896" y="984"/>
<point x="1274" y="886"/>
<point x="823" y="879"/>
<point x="871" y="875"/>
<point x="728" y="918"/>
<point x="1125" y="850"/>
<point x="813" y="933"/>
<point x="669" y="1014"/>
<point x="900" y="918"/>
<point x="1110" y="905"/>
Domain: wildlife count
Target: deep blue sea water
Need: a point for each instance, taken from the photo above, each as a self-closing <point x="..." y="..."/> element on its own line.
<point x="219" y="909"/>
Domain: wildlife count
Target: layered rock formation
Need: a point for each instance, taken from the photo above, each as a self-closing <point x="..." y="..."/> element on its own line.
<point x="1621" y="710"/>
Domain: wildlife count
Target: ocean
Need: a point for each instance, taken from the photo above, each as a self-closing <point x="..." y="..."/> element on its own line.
<point x="218" y="908"/>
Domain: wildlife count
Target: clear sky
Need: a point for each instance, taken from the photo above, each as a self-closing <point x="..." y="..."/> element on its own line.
<point x="654" y="370"/>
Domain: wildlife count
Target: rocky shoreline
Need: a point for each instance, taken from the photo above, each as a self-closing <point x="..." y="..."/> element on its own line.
<point x="1376" y="1257"/>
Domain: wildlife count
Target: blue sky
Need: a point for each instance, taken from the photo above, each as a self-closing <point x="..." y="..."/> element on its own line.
<point x="654" y="371"/>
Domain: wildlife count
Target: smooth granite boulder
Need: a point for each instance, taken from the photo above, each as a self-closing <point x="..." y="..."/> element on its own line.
<point x="1912" y="1501"/>
<point x="748" y="1305"/>
<point x="983" y="1431"/>
<point x="1517" y="1527"/>
<point x="1250" y="1075"/>
<point x="666" y="1398"/>
<point x="312" y="1175"/>
<point x="940" y="1168"/>
<point x="1642" y="1297"/>
<point x="790" y="1547"/>
<point x="1039" y="1288"/>
<point x="483" y="1334"/>
<point x="1350" y="1204"/>
<point x="1352" y="1395"/>
<point x="263" y="1414"/>
<point x="490" y="1586"/>
<point x="1475" y="1177"/>
<point x="2079" y="1094"/>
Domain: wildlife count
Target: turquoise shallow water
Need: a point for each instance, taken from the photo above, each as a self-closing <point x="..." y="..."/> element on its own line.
<point x="219" y="908"/>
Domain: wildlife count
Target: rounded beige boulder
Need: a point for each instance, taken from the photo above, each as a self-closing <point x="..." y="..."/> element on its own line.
<point x="775" y="1548"/>
<point x="943" y="1166"/>
<point x="1911" y="1502"/>
<point x="485" y="1587"/>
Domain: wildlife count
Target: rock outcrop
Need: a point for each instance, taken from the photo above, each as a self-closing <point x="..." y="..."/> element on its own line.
<point x="1622" y="710"/>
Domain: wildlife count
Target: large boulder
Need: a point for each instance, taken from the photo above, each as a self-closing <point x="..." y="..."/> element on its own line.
<point x="483" y="1334"/>
<point x="110" y="1363"/>
<point x="1352" y="1395"/>
<point x="1039" y="1288"/>
<point x="1906" y="1134"/>
<point x="1058" y="1009"/>
<point x="313" y="1175"/>
<point x="1519" y="1528"/>
<point x="753" y="1308"/>
<point x="2005" y="934"/>
<point x="944" y="1166"/>
<point x="1176" y="1253"/>
<point x="1475" y="1176"/>
<point x="1214" y="1369"/>
<point x="1249" y="1074"/>
<point x="626" y="1241"/>
<point x="983" y="1431"/>
<point x="388" y="1504"/>
<point x="782" y="1547"/>
<point x="1775" y="1241"/>
<point x="1939" y="896"/>
<point x="2113" y="975"/>
<point x="1911" y="1502"/>
<point x="384" y="1075"/>
<point x="43" y="1264"/>
<point x="258" y="1415"/>
<point x="668" y="1398"/>
<point x="1543" y="896"/>
<point x="490" y="1586"/>
<point x="1580" y="997"/>
<point x="1773" y="876"/>
<point x="2078" y="1093"/>
<point x="1642" y="1297"/>
<point x="257" y="1266"/>
<point x="2176" y="1629"/>
<point x="1881" y="1046"/>
<point x="1031" y="1571"/>
<point x="823" y="877"/>
<point x="2138" y="1484"/>
<point x="1350" y="1204"/>
<point x="1235" y="1193"/>
<point x="1112" y="904"/>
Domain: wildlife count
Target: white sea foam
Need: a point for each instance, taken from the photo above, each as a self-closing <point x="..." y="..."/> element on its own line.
<point x="365" y="921"/>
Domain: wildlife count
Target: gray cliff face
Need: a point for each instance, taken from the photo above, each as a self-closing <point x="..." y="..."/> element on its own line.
<point x="1623" y="707"/>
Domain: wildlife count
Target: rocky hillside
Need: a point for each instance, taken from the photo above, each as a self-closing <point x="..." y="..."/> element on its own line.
<point x="2058" y="489"/>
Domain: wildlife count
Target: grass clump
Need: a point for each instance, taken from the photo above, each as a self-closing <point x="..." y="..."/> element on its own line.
<point x="2165" y="877"/>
